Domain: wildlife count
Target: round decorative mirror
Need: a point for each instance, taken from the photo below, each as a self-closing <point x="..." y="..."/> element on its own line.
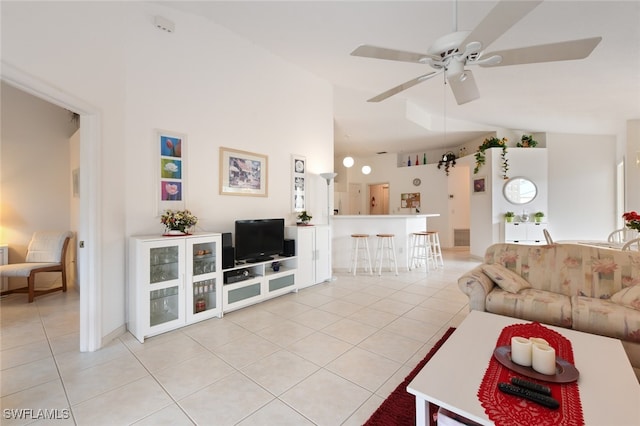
<point x="519" y="190"/>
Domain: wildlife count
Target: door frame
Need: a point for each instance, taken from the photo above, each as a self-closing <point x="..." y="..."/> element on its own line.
<point x="89" y="258"/>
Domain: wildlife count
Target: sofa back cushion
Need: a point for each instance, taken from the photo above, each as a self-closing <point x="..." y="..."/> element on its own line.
<point x="570" y="269"/>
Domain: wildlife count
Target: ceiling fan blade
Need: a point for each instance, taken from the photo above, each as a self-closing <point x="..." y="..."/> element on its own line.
<point x="404" y="86"/>
<point x="502" y="17"/>
<point x="368" y="51"/>
<point x="463" y="86"/>
<point x="562" y="51"/>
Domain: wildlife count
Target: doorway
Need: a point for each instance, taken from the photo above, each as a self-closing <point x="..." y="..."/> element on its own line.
<point x="88" y="237"/>
<point x="379" y="198"/>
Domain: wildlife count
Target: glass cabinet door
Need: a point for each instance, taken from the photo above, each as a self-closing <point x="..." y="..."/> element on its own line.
<point x="164" y="264"/>
<point x="164" y="305"/>
<point x="204" y="258"/>
<point x="204" y="295"/>
<point x="203" y="270"/>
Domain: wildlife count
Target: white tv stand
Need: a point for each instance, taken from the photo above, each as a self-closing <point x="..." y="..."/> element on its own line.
<point x="259" y="283"/>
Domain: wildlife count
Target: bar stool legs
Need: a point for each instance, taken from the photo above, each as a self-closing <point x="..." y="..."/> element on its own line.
<point x="420" y="250"/>
<point x="436" y="251"/>
<point x="360" y="245"/>
<point x="386" y="249"/>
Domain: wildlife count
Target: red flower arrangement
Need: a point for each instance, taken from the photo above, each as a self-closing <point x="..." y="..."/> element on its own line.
<point x="633" y="220"/>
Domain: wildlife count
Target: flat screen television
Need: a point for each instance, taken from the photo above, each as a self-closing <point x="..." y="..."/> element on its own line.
<point x="256" y="240"/>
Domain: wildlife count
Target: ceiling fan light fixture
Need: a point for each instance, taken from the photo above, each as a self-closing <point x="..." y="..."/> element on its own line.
<point x="348" y="161"/>
<point x="366" y="170"/>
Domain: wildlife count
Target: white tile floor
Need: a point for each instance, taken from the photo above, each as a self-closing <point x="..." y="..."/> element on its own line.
<point x="327" y="355"/>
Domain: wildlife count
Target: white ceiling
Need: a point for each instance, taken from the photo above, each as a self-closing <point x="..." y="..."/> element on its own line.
<point x="596" y="95"/>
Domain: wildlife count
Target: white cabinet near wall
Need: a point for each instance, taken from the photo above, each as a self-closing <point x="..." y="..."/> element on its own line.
<point x="313" y="250"/>
<point x="252" y="283"/>
<point x="524" y="232"/>
<point x="173" y="281"/>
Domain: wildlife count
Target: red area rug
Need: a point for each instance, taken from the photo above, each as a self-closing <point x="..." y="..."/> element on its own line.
<point x="399" y="408"/>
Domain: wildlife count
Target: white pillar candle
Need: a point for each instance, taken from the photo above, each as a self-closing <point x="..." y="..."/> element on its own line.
<point x="544" y="359"/>
<point x="521" y="351"/>
<point x="540" y="340"/>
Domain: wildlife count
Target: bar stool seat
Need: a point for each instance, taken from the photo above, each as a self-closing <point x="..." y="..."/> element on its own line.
<point x="386" y="249"/>
<point x="360" y="250"/>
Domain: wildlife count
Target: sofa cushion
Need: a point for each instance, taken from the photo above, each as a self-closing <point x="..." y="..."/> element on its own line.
<point x="629" y="297"/>
<point x="601" y="316"/>
<point x="504" y="278"/>
<point x="531" y="304"/>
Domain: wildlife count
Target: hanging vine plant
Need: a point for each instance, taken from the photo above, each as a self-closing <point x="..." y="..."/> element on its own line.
<point x="448" y="161"/>
<point x="481" y="158"/>
<point x="527" y="141"/>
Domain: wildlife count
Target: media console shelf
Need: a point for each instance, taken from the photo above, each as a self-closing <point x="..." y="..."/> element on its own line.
<point x="250" y="283"/>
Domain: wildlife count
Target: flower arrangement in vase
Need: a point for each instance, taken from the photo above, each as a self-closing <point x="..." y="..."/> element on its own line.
<point x="632" y="220"/>
<point x="178" y="222"/>
<point x="304" y="217"/>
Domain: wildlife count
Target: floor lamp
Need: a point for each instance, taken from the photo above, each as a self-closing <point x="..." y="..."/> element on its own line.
<point x="329" y="177"/>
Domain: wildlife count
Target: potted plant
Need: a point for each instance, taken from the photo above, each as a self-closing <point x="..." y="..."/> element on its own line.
<point x="527" y="141"/>
<point x="509" y="216"/>
<point x="538" y="216"/>
<point x="304" y="217"/>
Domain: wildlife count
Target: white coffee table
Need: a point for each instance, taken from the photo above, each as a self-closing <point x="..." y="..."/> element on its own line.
<point x="609" y="390"/>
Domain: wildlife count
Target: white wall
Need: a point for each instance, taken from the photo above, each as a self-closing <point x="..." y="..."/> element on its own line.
<point x="632" y="156"/>
<point x="200" y="80"/>
<point x="581" y="186"/>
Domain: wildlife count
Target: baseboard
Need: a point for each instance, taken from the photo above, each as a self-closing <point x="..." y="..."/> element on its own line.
<point x="113" y="335"/>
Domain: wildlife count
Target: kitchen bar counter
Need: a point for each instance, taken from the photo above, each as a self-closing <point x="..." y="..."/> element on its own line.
<point x="401" y="225"/>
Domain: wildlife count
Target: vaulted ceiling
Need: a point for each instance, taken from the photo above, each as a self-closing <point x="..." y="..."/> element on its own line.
<point x="596" y="95"/>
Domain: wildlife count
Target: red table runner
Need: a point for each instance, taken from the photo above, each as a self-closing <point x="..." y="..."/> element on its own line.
<point x="508" y="410"/>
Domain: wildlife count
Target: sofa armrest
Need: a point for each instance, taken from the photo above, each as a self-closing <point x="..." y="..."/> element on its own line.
<point x="476" y="285"/>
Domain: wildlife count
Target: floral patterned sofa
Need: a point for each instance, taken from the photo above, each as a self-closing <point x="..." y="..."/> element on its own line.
<point x="586" y="288"/>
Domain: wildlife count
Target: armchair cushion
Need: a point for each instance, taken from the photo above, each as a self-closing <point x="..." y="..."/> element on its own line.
<point x="22" y="269"/>
<point x="504" y="278"/>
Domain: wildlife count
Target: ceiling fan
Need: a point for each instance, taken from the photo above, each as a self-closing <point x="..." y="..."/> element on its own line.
<point x="451" y="53"/>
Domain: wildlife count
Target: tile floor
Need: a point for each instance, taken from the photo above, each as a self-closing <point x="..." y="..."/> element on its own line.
<point x="327" y="355"/>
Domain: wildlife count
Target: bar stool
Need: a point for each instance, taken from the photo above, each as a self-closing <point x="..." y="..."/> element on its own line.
<point x="386" y="246"/>
<point x="436" y="253"/>
<point x="420" y="250"/>
<point x="360" y="246"/>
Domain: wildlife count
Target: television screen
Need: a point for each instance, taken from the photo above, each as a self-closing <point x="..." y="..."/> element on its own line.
<point x="257" y="239"/>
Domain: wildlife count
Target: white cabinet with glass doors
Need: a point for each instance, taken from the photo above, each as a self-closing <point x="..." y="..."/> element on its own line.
<point x="174" y="281"/>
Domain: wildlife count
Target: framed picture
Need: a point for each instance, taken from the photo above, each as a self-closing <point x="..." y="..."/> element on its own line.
<point x="299" y="169"/>
<point x="243" y="173"/>
<point x="410" y="200"/>
<point x="170" y="170"/>
<point x="479" y="185"/>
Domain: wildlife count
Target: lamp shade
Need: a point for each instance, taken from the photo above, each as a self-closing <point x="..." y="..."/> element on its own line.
<point x="328" y="176"/>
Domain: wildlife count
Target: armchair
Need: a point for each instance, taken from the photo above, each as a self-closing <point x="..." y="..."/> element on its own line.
<point x="46" y="253"/>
